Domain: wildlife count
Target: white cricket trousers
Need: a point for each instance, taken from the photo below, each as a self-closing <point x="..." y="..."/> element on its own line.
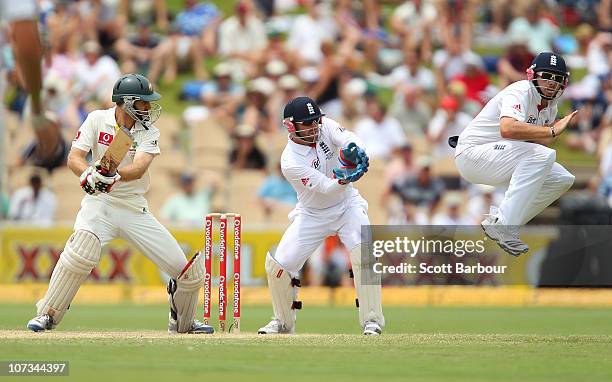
<point x="309" y="228"/>
<point x="529" y="171"/>
<point x="109" y="220"/>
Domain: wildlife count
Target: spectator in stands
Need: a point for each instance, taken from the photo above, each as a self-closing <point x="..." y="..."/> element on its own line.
<point x="63" y="27"/>
<point x="246" y="154"/>
<point x="188" y="205"/>
<point x="379" y="133"/>
<point x="146" y="10"/>
<point x="96" y="75"/>
<point x="413" y="73"/>
<point x="143" y="52"/>
<point x="222" y="95"/>
<point x="4" y="204"/>
<point x="308" y="32"/>
<point x="192" y="37"/>
<point x="33" y="204"/>
<point x="452" y="214"/>
<point x="541" y="30"/>
<point x="289" y="87"/>
<point x="424" y="189"/>
<point x="411" y="111"/>
<point x="450" y="61"/>
<point x="241" y="37"/>
<point x="413" y="22"/>
<point x="257" y="111"/>
<point x="480" y="202"/>
<point x="276" y="191"/>
<point x="475" y="79"/>
<point x="409" y="214"/>
<point x="517" y="58"/>
<point x="447" y="121"/>
<point x="30" y="155"/>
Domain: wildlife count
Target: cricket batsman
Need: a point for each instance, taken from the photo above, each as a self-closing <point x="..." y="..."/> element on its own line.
<point x="504" y="146"/>
<point x="321" y="160"/>
<point x="114" y="206"/>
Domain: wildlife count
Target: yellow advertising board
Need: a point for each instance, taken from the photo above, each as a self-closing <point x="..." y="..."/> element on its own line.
<point x="29" y="254"/>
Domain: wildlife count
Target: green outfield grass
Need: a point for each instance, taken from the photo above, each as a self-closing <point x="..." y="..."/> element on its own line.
<point x="420" y="344"/>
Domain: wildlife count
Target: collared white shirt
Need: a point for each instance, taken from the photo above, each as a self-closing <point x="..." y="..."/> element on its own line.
<point x="96" y="134"/>
<point x="25" y="208"/>
<point x="520" y="101"/>
<point x="310" y="169"/>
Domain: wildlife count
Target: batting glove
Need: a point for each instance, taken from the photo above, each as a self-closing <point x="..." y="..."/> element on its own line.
<point x="87" y="182"/>
<point x="104" y="183"/>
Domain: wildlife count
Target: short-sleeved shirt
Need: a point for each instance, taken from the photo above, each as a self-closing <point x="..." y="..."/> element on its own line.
<point x="520" y="101"/>
<point x="97" y="133"/>
<point x="309" y="169"/>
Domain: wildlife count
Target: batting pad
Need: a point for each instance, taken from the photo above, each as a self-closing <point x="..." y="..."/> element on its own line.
<point x="81" y="254"/>
<point x="283" y="292"/>
<point x="368" y="290"/>
<point x="183" y="293"/>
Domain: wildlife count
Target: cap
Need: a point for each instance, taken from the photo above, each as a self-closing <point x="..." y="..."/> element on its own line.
<point x="261" y="85"/>
<point x="449" y="103"/>
<point x="276" y="68"/>
<point x="356" y="87"/>
<point x="289" y="82"/>
<point x="423" y="162"/>
<point x="302" y="109"/>
<point x="91" y="46"/>
<point x="309" y="74"/>
<point x="223" y="69"/>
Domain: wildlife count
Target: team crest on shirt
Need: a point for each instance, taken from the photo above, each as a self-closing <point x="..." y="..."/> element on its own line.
<point x="531" y="119"/>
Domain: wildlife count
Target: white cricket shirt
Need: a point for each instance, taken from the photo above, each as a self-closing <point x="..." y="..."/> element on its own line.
<point x="520" y="101"/>
<point x="310" y="169"/>
<point x="96" y="134"/>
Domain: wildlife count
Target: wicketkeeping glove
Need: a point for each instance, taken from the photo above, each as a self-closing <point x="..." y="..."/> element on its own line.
<point x="347" y="175"/>
<point x="353" y="155"/>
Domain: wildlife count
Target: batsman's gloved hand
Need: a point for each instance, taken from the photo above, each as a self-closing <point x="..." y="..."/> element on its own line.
<point x="104" y="183"/>
<point x="87" y="182"/>
<point x="353" y="155"/>
<point x="347" y="175"/>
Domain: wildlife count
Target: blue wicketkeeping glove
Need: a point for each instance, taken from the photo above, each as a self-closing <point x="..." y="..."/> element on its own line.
<point x="347" y="175"/>
<point x="353" y="155"/>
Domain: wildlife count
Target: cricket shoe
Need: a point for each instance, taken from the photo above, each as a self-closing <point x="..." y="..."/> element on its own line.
<point x="275" y="327"/>
<point x="507" y="237"/>
<point x="372" y="328"/>
<point x="197" y="327"/>
<point x="41" y="323"/>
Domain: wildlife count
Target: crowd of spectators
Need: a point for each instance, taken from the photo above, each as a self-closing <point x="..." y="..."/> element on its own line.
<point x="403" y="75"/>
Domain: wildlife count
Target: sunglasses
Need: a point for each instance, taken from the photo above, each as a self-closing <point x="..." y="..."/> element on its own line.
<point x="311" y="122"/>
<point x="551" y="76"/>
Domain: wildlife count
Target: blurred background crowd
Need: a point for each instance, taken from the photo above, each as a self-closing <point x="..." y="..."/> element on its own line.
<point x="403" y="75"/>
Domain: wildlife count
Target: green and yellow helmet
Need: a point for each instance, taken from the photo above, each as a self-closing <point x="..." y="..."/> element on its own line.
<point x="135" y="87"/>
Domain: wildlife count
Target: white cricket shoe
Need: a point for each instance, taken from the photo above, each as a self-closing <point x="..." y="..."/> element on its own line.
<point x="275" y="327"/>
<point x="41" y="323"/>
<point x="372" y="328"/>
<point x="197" y="327"/>
<point x="507" y="237"/>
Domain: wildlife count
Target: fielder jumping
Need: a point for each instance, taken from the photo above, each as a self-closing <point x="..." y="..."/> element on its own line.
<point x="327" y="205"/>
<point x="499" y="148"/>
<point x="115" y="207"/>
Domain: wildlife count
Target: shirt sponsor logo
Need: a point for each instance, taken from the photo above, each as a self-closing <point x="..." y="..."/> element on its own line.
<point x="326" y="150"/>
<point x="105" y="138"/>
<point x="517" y="107"/>
<point x="316" y="163"/>
<point x="531" y="119"/>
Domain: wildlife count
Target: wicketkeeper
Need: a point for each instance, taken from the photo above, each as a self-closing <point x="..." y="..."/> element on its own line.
<point x="321" y="160"/>
<point x="115" y="207"/>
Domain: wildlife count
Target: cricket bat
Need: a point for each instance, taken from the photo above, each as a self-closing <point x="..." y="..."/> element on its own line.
<point x="117" y="150"/>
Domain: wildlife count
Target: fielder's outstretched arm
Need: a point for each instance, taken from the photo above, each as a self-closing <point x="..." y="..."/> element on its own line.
<point x="137" y="169"/>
